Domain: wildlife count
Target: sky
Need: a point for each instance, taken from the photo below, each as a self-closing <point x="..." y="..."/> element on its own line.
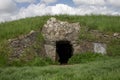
<point x="17" y="9"/>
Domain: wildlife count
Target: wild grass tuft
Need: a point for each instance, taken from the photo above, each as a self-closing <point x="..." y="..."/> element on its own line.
<point x="37" y="61"/>
<point x="86" y="57"/>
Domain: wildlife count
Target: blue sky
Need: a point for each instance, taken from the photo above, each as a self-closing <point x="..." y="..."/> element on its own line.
<point x="68" y="2"/>
<point x="17" y="9"/>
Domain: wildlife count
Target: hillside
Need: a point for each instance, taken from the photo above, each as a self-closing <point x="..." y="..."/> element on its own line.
<point x="89" y="66"/>
<point x="104" y="24"/>
<point x="15" y="28"/>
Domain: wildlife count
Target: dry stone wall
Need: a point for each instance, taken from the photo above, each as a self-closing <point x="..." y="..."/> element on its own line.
<point x="19" y="44"/>
<point x="26" y="45"/>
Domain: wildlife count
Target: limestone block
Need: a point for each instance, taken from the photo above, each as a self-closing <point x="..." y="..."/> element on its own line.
<point x="100" y="48"/>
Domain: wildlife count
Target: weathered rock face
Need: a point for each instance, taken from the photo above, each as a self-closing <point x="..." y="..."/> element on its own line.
<point x="100" y="48"/>
<point x="56" y="30"/>
<point x="26" y="45"/>
<point x="22" y="42"/>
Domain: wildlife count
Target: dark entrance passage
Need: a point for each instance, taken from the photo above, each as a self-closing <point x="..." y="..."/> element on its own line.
<point x="64" y="50"/>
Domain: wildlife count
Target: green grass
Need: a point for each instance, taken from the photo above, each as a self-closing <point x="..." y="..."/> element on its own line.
<point x="97" y="70"/>
<point x="14" y="29"/>
<point x="23" y="26"/>
<point x="114" y="50"/>
<point x="99" y="22"/>
<point x="36" y="61"/>
<point x="86" y="57"/>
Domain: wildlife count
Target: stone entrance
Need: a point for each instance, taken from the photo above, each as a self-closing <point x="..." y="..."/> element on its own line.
<point x="64" y="50"/>
<point x="60" y="39"/>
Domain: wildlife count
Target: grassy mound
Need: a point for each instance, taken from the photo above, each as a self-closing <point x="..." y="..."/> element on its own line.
<point x="13" y="29"/>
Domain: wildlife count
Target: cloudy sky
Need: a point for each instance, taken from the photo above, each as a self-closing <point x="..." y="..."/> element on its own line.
<point x="16" y="9"/>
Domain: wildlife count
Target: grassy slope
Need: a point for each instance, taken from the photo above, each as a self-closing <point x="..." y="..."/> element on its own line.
<point x="102" y="23"/>
<point x="97" y="70"/>
<point x="15" y="28"/>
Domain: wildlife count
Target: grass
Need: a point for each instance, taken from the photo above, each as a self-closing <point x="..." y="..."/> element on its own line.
<point x="114" y="50"/>
<point x="87" y="57"/>
<point x="36" y="61"/>
<point x="100" y="22"/>
<point x="23" y="26"/>
<point x="97" y="70"/>
<point x="14" y="29"/>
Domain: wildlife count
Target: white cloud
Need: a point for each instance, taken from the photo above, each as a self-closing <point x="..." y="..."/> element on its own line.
<point x="7" y="6"/>
<point x="89" y="2"/>
<point x="48" y="1"/>
<point x="25" y="1"/>
<point x="43" y="9"/>
<point x="115" y="3"/>
<point x="32" y="10"/>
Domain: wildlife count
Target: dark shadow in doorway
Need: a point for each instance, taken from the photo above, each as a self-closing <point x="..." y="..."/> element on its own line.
<point x="64" y="50"/>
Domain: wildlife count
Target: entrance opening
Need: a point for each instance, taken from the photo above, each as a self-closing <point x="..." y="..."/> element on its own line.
<point x="64" y="51"/>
